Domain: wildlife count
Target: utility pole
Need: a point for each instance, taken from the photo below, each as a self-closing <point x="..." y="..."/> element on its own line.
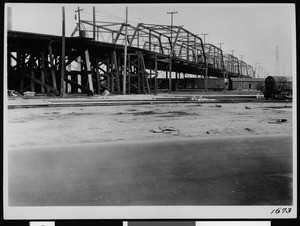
<point x="221" y="44"/>
<point x="172" y="13"/>
<point x="171" y="51"/>
<point x="78" y="11"/>
<point x="277" y="62"/>
<point x="94" y="23"/>
<point x="204" y="37"/>
<point x="62" y="81"/>
<point x="125" y="54"/>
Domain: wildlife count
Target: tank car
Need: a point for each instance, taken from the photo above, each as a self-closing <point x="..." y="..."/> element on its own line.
<point x="278" y="87"/>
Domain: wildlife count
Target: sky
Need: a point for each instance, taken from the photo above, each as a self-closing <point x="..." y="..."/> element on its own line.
<point x="252" y="30"/>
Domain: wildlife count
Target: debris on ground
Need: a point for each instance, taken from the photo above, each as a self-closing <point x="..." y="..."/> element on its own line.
<point x="105" y="93"/>
<point x="28" y="94"/>
<point x="278" y="121"/>
<point x="281" y="120"/>
<point x="207" y="132"/>
<point x="144" y="113"/>
<point x="194" y="98"/>
<point x="168" y="130"/>
<point x="201" y="99"/>
<point x="218" y="106"/>
<point x="247" y="107"/>
<point x="13" y="93"/>
<point x="156" y="130"/>
<point x="249" y="130"/>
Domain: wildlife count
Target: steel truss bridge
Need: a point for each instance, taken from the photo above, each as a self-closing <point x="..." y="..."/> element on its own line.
<point x="94" y="59"/>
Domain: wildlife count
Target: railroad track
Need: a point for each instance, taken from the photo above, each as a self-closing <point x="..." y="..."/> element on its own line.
<point x="159" y="100"/>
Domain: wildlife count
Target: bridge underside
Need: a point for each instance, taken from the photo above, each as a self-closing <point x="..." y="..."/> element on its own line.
<point x="34" y="64"/>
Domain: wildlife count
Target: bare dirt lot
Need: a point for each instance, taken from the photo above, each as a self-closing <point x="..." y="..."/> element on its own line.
<point x="97" y="124"/>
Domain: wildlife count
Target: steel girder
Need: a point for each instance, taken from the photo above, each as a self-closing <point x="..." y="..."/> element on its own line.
<point x="172" y="41"/>
<point x="232" y="65"/>
<point x="214" y="56"/>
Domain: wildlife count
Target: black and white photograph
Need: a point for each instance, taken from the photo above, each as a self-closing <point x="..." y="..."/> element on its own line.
<point x="149" y="111"/>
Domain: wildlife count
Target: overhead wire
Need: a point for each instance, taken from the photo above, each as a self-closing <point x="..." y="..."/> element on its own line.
<point x="108" y="15"/>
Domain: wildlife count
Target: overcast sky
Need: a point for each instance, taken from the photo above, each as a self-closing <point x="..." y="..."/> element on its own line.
<point x="253" y="30"/>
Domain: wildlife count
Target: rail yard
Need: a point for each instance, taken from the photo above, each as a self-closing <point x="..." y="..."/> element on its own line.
<point x="148" y="114"/>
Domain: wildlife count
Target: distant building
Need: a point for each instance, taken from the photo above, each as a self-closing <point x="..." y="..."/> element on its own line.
<point x="246" y="83"/>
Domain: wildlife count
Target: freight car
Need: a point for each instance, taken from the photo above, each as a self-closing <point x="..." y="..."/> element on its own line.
<point x="216" y="84"/>
<point x="278" y="87"/>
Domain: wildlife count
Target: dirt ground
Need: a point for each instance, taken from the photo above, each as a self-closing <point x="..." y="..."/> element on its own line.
<point x="96" y="124"/>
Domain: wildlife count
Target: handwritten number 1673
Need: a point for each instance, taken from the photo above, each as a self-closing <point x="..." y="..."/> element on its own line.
<point x="281" y="210"/>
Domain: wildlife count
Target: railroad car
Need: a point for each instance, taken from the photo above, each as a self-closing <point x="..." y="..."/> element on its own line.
<point x="193" y="83"/>
<point x="278" y="87"/>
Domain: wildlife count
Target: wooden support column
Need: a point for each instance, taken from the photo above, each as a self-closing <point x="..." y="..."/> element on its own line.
<point x="19" y="64"/>
<point x="139" y="74"/>
<point x="68" y="85"/>
<point x="88" y="66"/>
<point x="156" y="74"/>
<point x="206" y="79"/>
<point x="97" y="76"/>
<point x="116" y="71"/>
<point x="43" y="71"/>
<point x="176" y="80"/>
<point x="119" y="74"/>
<point x="79" y="75"/>
<point x="112" y="77"/>
<point x="108" y="74"/>
<point x="52" y="67"/>
<point x="32" y="75"/>
<point x="144" y="72"/>
<point x="128" y="75"/>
